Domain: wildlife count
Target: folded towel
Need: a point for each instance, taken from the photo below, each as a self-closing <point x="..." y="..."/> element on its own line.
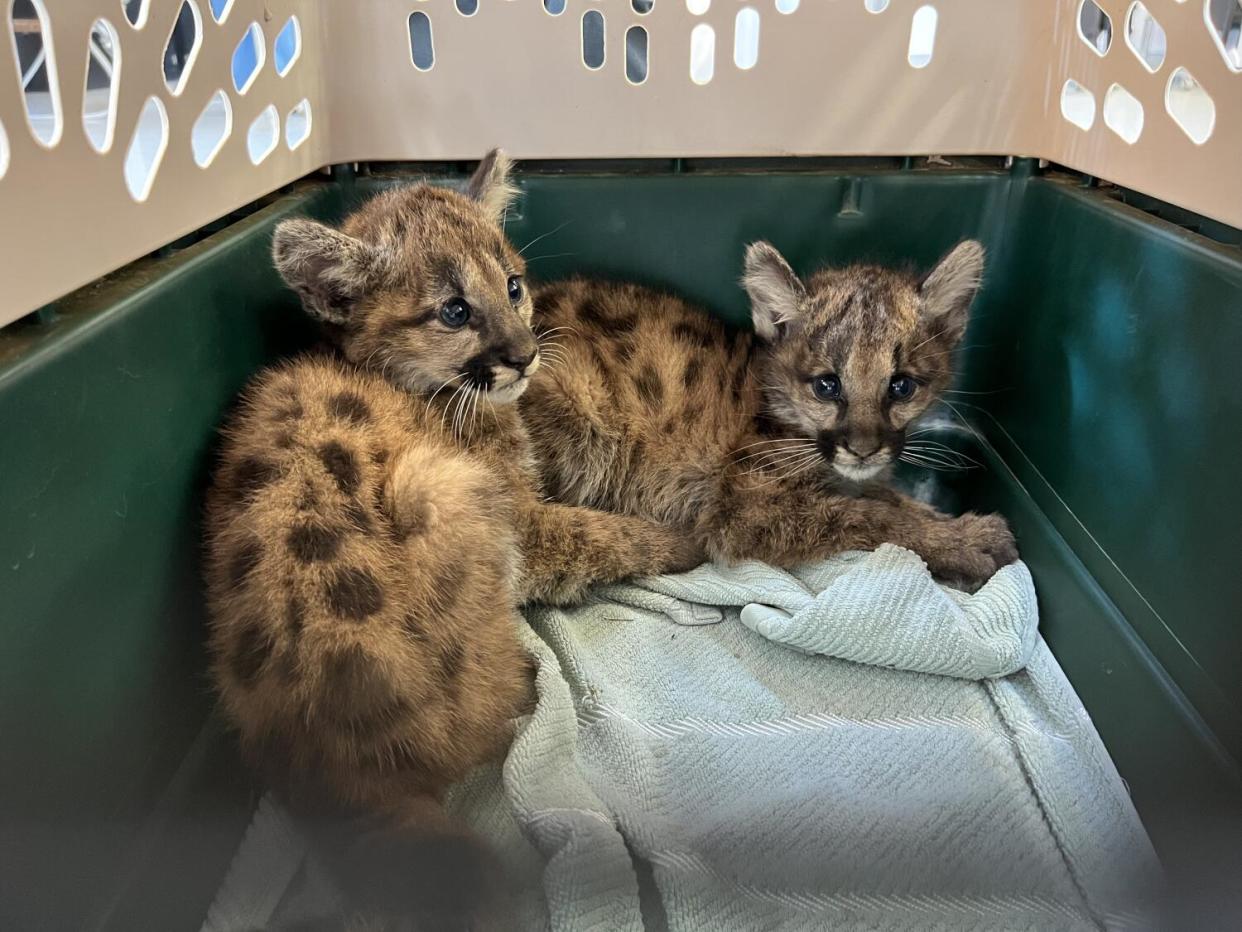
<point x="881" y="608"/>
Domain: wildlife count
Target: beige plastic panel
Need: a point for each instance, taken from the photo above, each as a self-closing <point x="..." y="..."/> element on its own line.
<point x="66" y="213"/>
<point x="831" y="78"/>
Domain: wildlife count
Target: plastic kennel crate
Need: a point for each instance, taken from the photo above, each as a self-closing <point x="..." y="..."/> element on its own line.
<point x="147" y="148"/>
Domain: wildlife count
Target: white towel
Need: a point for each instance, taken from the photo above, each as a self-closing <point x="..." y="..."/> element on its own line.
<point x="764" y="787"/>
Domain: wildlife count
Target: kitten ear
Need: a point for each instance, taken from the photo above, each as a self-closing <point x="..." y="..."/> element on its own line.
<point x="776" y="293"/>
<point x="491" y="185"/>
<point x="328" y="269"/>
<point x="950" y="287"/>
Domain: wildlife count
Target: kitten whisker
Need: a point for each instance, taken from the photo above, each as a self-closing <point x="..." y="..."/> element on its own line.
<point x="928" y="446"/>
<point x="794" y="471"/>
<point x="448" y="404"/>
<point x="910" y="352"/>
<point x="965" y="423"/>
<point x="783" y="462"/>
<point x="460" y="375"/>
<point x="773" y="456"/>
<point x="945" y="459"/>
<point x="462" y="425"/>
<point x="474" y="405"/>
<point x="927" y="464"/>
<point x="774" y="440"/>
<point x="554" y="255"/>
<point x="938" y="464"/>
<point x="522" y="251"/>
<point x="459" y="401"/>
<point x="935" y="445"/>
<point x="778" y="464"/>
<point x="941" y="461"/>
<point x="956" y="349"/>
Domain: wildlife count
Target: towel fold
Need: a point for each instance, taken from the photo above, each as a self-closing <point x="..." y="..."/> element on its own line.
<point x="881" y="608"/>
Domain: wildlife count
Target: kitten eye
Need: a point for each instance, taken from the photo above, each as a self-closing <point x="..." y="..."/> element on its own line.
<point x="826" y="387"/>
<point x="515" y="288"/>
<point x="901" y="387"/>
<point x="455" y="313"/>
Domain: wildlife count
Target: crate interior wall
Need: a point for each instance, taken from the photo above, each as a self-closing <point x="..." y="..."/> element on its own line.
<point x="1101" y="353"/>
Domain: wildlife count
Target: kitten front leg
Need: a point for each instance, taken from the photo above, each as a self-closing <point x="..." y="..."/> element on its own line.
<point x="567" y="548"/>
<point x="787" y="525"/>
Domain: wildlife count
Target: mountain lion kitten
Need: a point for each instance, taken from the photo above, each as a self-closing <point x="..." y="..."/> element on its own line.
<point x="772" y="445"/>
<point x="377" y="517"/>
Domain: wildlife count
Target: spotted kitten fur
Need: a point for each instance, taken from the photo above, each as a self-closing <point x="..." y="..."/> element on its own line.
<point x="772" y="445"/>
<point x="377" y="517"/>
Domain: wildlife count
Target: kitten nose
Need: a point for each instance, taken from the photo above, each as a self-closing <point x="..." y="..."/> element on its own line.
<point x="519" y="361"/>
<point x="861" y="454"/>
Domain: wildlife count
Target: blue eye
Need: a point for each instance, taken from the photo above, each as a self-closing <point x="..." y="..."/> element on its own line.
<point x="901" y="387"/>
<point x="515" y="288"/>
<point x="455" y="313"/>
<point x="826" y="387"/>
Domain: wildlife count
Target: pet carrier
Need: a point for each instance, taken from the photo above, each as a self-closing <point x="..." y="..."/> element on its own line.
<point x="148" y="147"/>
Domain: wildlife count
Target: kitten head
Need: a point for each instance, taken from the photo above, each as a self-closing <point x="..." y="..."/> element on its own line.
<point x="853" y="356"/>
<point x="421" y="285"/>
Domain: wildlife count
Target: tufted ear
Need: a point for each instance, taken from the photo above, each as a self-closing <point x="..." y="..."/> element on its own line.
<point x="950" y="287"/>
<point x="491" y="185"/>
<point x="776" y="293"/>
<point x="328" y="269"/>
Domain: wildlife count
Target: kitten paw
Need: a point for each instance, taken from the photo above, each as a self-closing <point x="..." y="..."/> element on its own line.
<point x="966" y="551"/>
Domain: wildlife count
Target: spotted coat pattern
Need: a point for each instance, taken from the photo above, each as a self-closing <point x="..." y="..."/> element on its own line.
<point x="369" y="539"/>
<point x="662" y="411"/>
